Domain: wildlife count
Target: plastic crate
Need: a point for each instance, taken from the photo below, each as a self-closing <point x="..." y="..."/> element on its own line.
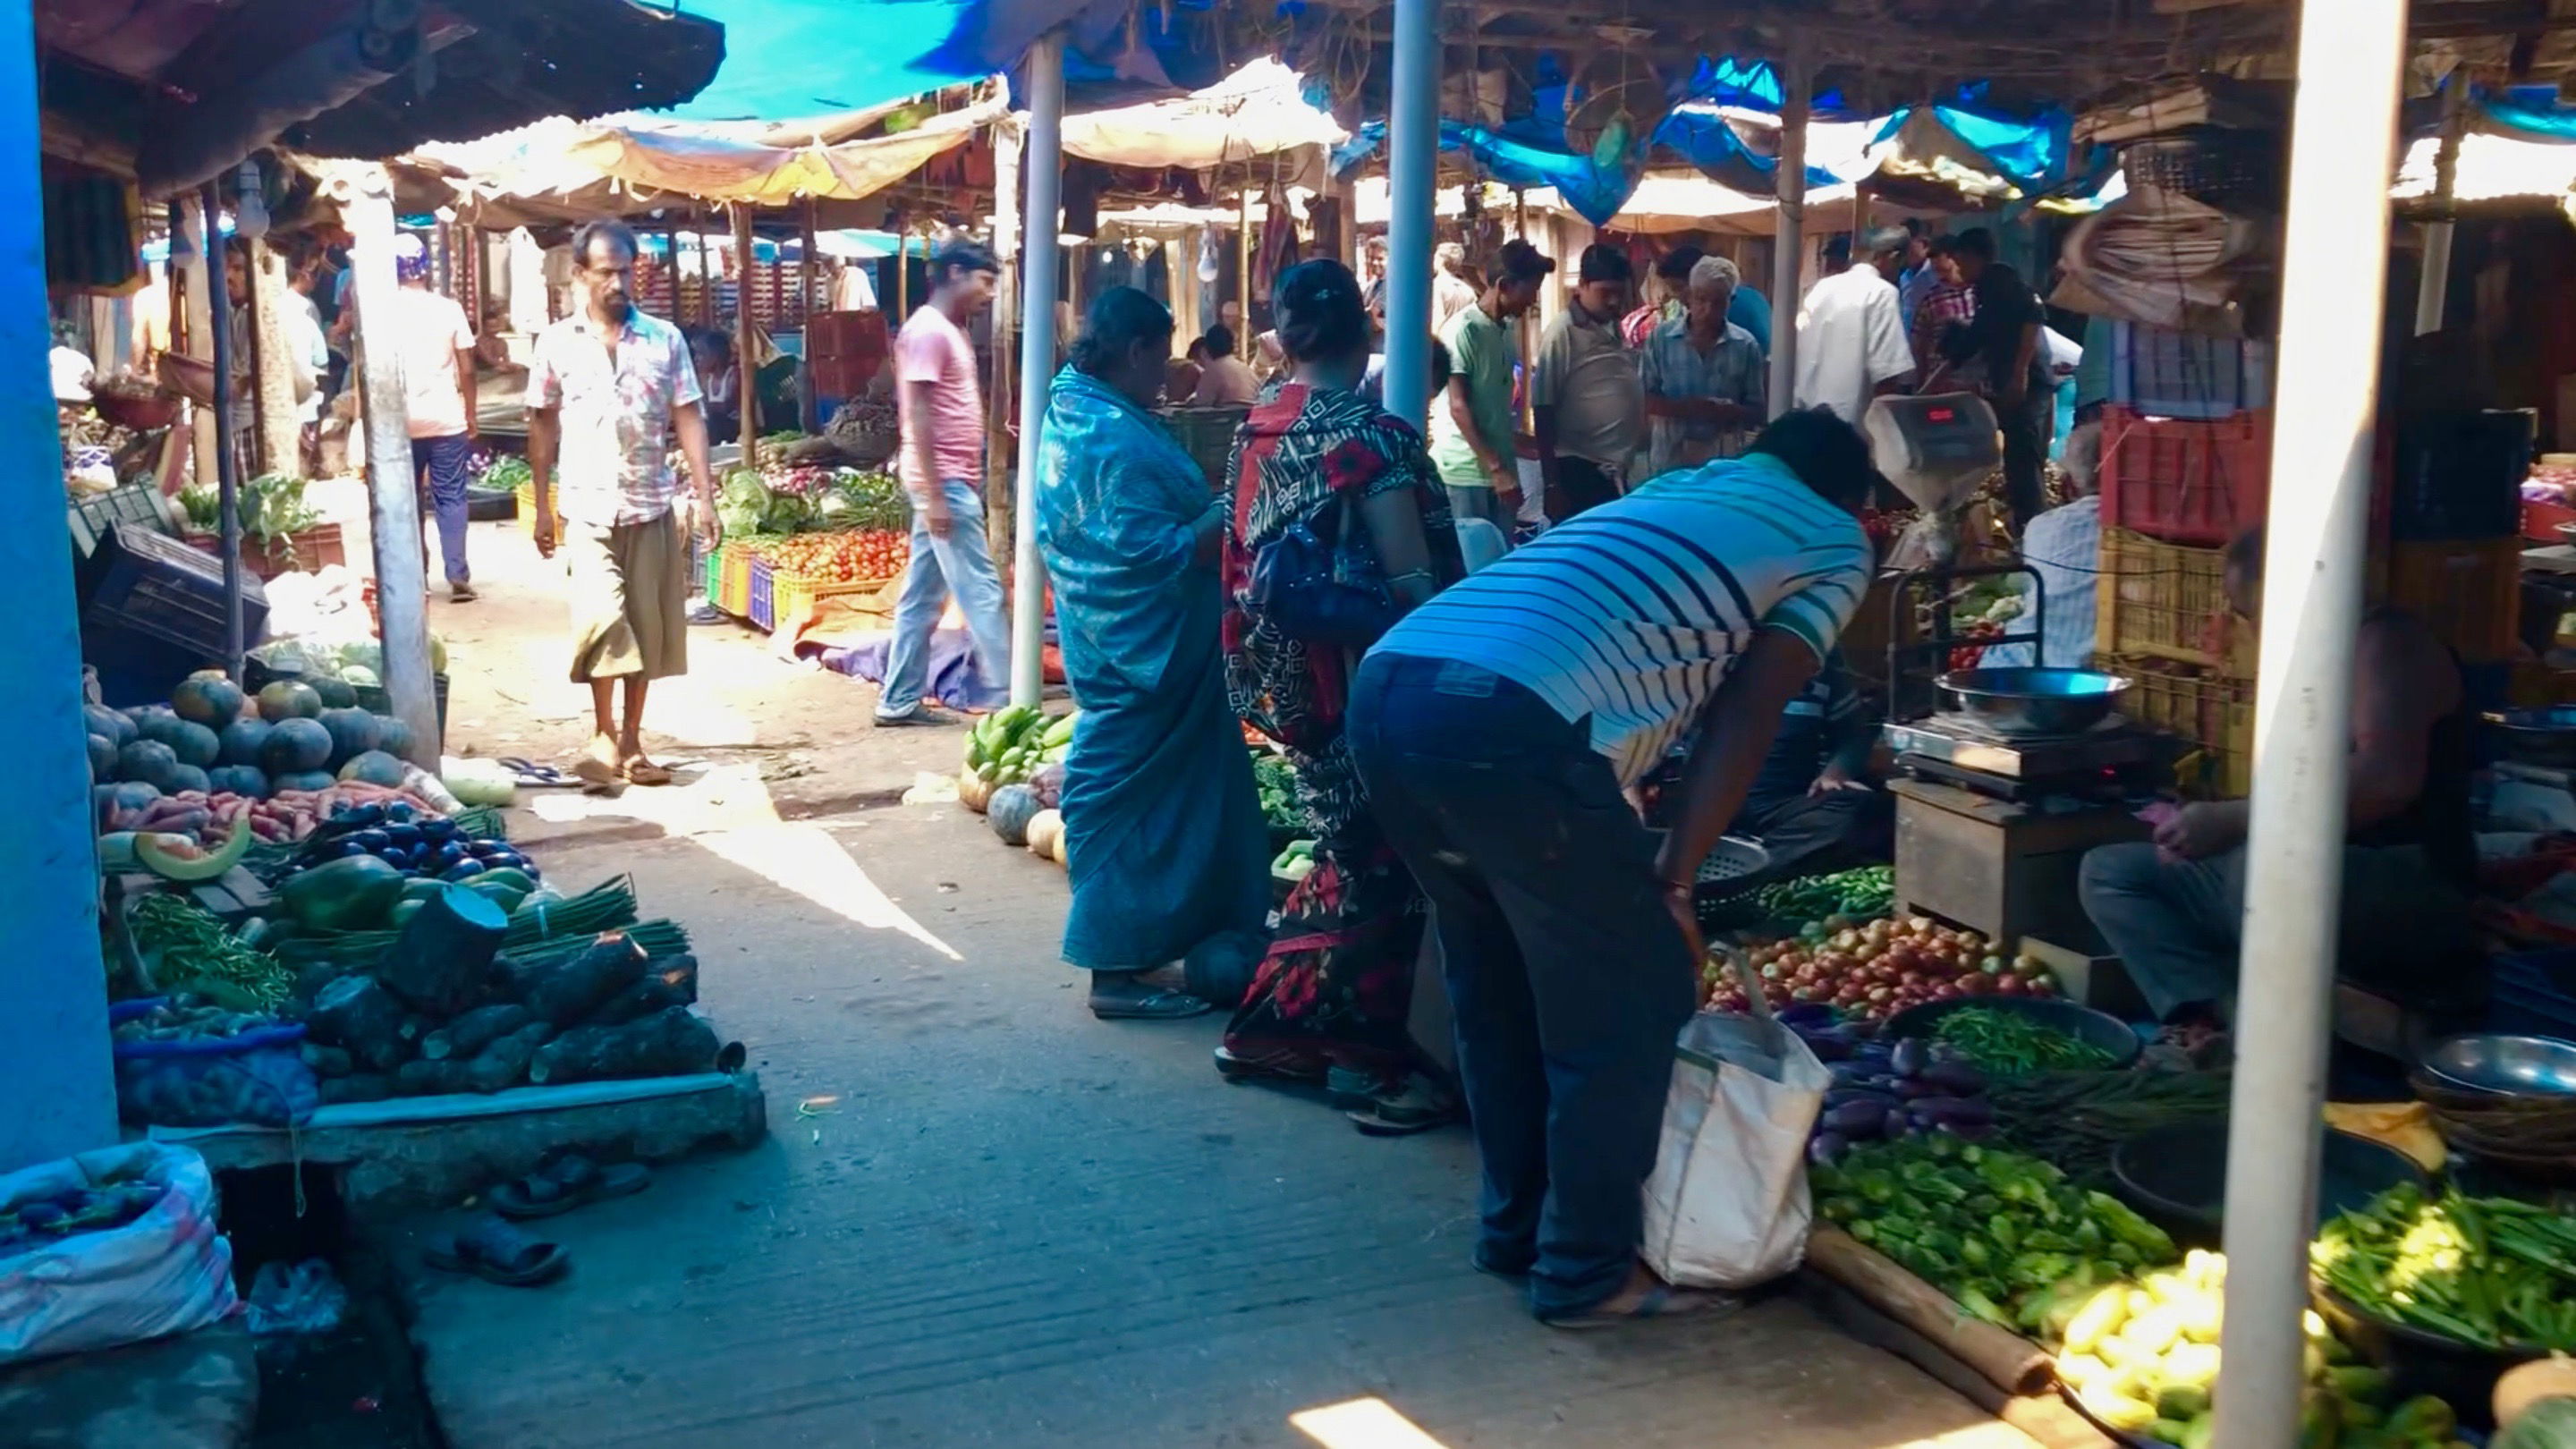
<point x="373" y="699"/>
<point x="733" y="584"/>
<point x="2184" y="480"/>
<point x="711" y="586"/>
<point x="153" y="585"/>
<point x="135" y="503"/>
<point x="2191" y="375"/>
<point x="2469" y="592"/>
<point x="792" y="596"/>
<point x="2460" y="477"/>
<point x="762" y="612"/>
<point x="2168" y="601"/>
<point x="2213" y="712"/>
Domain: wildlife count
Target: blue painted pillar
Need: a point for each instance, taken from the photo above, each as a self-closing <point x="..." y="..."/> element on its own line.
<point x="57" y="1089"/>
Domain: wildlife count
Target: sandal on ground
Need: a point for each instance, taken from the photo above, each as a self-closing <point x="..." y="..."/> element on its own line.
<point x="565" y="1183"/>
<point x="1282" y="1065"/>
<point x="596" y="773"/>
<point x="1663" y="1300"/>
<point x="1417" y="1104"/>
<point x="1159" y="1004"/>
<point x="642" y="771"/>
<point x="496" y="1252"/>
<point x="534" y="775"/>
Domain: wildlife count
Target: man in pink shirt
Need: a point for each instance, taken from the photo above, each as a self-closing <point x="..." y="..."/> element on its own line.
<point x="942" y="466"/>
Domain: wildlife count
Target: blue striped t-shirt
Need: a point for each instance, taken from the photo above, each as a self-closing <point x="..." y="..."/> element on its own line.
<point x="1632" y="614"/>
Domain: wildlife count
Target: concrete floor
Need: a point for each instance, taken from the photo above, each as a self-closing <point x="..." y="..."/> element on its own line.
<point x="984" y="1217"/>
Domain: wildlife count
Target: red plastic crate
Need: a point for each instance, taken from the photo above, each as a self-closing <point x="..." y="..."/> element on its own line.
<point x="2183" y="481"/>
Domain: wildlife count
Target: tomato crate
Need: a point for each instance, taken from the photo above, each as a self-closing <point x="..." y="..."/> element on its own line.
<point x="793" y="596"/>
<point x="2168" y="601"/>
<point x="2468" y="592"/>
<point x="2185" y="481"/>
<point x="2214" y="712"/>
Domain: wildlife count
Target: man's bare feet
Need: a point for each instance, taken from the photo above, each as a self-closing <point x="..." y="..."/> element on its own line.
<point x="641" y="770"/>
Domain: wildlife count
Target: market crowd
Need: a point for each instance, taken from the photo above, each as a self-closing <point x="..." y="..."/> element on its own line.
<point x="1483" y="646"/>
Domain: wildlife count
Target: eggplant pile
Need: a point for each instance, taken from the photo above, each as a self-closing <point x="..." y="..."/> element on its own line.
<point x="1886" y="1089"/>
<point x="414" y="842"/>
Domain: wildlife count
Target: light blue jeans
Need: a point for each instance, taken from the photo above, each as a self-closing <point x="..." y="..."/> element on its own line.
<point x="961" y="563"/>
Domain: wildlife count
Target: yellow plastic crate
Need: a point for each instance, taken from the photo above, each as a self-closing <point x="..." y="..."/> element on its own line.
<point x="527" y="496"/>
<point x="793" y="595"/>
<point x="2212" y="711"/>
<point x="733" y="580"/>
<point x="2168" y="601"/>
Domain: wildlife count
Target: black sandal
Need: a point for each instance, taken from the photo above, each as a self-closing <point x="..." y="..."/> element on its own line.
<point x="496" y="1252"/>
<point x="1418" y="1104"/>
<point x="1160" y="1004"/>
<point x="567" y="1182"/>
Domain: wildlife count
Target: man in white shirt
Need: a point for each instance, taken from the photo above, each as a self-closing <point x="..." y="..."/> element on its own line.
<point x="1851" y="332"/>
<point x="1586" y="404"/>
<point x="436" y="345"/>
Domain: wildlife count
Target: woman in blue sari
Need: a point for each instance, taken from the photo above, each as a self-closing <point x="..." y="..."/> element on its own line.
<point x="1163" y="831"/>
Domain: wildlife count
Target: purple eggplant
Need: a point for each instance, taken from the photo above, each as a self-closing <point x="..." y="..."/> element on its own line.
<point x="1955" y="1111"/>
<point x="1911" y="1056"/>
<point x="1847" y="1074"/>
<point x="1845" y="1096"/>
<point x="1825" y="1148"/>
<point x="1911" y="1088"/>
<point x="1968" y="1131"/>
<point x="1803" y="1016"/>
<point x="1956" y="1079"/>
<point x="1827" y="1046"/>
<point x="1855" y="1119"/>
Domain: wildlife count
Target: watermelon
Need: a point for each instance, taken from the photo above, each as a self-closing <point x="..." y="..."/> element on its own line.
<point x="102" y="759"/>
<point x="353" y="733"/>
<point x="106" y="723"/>
<point x="301" y="780"/>
<point x="1010" y="811"/>
<point x="287" y="699"/>
<point x="334" y="693"/>
<point x="249" y="781"/>
<point x="187" y="777"/>
<point x="296" y="744"/>
<point x="108" y="800"/>
<point x="241" y="740"/>
<point x="213" y="701"/>
<point x="392" y="735"/>
<point x="374" y="767"/>
<point x="148" y="761"/>
<point x="158" y="724"/>
<point x="193" y="743"/>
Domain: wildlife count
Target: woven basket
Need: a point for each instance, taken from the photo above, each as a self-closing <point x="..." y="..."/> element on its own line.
<point x="2232" y="170"/>
<point x="1207" y="435"/>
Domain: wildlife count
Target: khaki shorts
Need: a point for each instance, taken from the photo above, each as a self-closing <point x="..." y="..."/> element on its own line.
<point x="630" y="598"/>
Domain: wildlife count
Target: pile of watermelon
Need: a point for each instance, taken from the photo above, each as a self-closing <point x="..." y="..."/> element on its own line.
<point x="212" y="738"/>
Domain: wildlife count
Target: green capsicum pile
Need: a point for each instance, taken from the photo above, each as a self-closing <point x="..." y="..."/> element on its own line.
<point x="1832" y="901"/>
<point x="2493" y="1272"/>
<point x="2005" y="1235"/>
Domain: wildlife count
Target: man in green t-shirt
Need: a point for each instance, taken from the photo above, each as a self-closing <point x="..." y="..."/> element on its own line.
<point x="1471" y="423"/>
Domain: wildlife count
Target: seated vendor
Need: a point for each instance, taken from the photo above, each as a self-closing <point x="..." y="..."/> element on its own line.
<point x="2173" y="909"/>
<point x="1813" y="806"/>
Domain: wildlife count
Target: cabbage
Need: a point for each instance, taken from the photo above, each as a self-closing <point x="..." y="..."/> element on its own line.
<point x="744" y="502"/>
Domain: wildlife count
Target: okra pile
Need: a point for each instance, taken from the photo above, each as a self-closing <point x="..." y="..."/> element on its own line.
<point x="2489" y="1271"/>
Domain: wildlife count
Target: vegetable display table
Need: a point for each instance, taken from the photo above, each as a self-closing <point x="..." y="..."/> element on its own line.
<point x="2004" y="868"/>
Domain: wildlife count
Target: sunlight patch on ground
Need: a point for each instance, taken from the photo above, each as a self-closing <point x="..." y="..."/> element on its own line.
<point x="1362" y="1424"/>
<point x="729" y="813"/>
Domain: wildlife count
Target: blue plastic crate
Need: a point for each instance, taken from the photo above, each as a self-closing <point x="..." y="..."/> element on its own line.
<point x="764" y="595"/>
<point x="155" y="586"/>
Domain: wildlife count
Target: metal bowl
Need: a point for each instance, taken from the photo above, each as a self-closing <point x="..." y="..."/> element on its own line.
<point x="2031" y="703"/>
<point x="2514" y="1066"/>
<point x="2544" y="736"/>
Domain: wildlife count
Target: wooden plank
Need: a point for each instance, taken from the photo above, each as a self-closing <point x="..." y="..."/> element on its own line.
<point x="2006" y="1360"/>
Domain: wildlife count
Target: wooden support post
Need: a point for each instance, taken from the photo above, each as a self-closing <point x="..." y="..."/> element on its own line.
<point x="1243" y="265"/>
<point x="227" y="442"/>
<point x="748" y="388"/>
<point x="808" y="414"/>
<point x="366" y="200"/>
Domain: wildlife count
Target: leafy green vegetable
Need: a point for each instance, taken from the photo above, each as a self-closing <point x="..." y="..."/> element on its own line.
<point x="2494" y="1272"/>
<point x="1277" y="780"/>
<point x="1860" y="894"/>
<point x="2009" y="1044"/>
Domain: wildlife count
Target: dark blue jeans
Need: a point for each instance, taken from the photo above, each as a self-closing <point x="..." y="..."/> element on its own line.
<point x="1568" y="977"/>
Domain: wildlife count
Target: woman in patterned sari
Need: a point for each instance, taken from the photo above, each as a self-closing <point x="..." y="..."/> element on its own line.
<point x="1332" y="490"/>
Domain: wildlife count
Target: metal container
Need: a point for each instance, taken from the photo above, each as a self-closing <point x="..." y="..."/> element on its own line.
<point x="2544" y="736"/>
<point x="2520" y="1066"/>
<point x="2032" y="703"/>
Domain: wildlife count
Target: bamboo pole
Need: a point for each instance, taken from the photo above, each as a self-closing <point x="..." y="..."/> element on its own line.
<point x="746" y="388"/>
<point x="808" y="414"/>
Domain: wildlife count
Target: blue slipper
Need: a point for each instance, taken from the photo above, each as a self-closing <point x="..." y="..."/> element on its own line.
<point x="1661" y="1301"/>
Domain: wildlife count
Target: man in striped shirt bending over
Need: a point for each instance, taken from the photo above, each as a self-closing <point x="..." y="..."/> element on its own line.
<point x="1498" y="727"/>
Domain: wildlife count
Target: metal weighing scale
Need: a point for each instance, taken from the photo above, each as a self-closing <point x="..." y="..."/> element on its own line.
<point x="1990" y="829"/>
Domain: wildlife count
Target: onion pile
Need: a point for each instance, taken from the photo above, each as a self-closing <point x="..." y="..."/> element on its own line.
<point x="1877" y="970"/>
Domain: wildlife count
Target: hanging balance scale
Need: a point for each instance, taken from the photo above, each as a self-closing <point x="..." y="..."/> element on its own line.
<point x="1938" y="450"/>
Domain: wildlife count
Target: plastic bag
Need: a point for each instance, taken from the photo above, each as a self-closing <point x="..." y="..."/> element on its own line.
<point x="256" y="1077"/>
<point x="166" y="1271"/>
<point x="1727" y="1206"/>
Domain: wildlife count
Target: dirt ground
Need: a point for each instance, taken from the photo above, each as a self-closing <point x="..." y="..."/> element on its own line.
<point x="983" y="1217"/>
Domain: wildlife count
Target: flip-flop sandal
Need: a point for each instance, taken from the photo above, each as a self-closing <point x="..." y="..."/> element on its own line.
<point x="641" y="771"/>
<point x="1661" y="1301"/>
<point x="597" y="774"/>
<point x="496" y="1252"/>
<point x="1162" y="1005"/>
<point x="1277" y="1066"/>
<point x="568" y="1182"/>
<point x="1417" y="1107"/>
<point x="534" y="775"/>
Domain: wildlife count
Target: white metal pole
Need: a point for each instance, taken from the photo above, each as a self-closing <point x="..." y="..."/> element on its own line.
<point x="1042" y="173"/>
<point x="1788" y="241"/>
<point x="2433" y="284"/>
<point x="1413" y="168"/>
<point x="2333" y="278"/>
<point x="366" y="197"/>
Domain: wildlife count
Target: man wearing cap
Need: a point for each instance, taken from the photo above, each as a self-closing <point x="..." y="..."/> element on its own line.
<point x="435" y="348"/>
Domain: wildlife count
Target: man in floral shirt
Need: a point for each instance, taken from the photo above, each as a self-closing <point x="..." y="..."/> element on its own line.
<point x="610" y="390"/>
